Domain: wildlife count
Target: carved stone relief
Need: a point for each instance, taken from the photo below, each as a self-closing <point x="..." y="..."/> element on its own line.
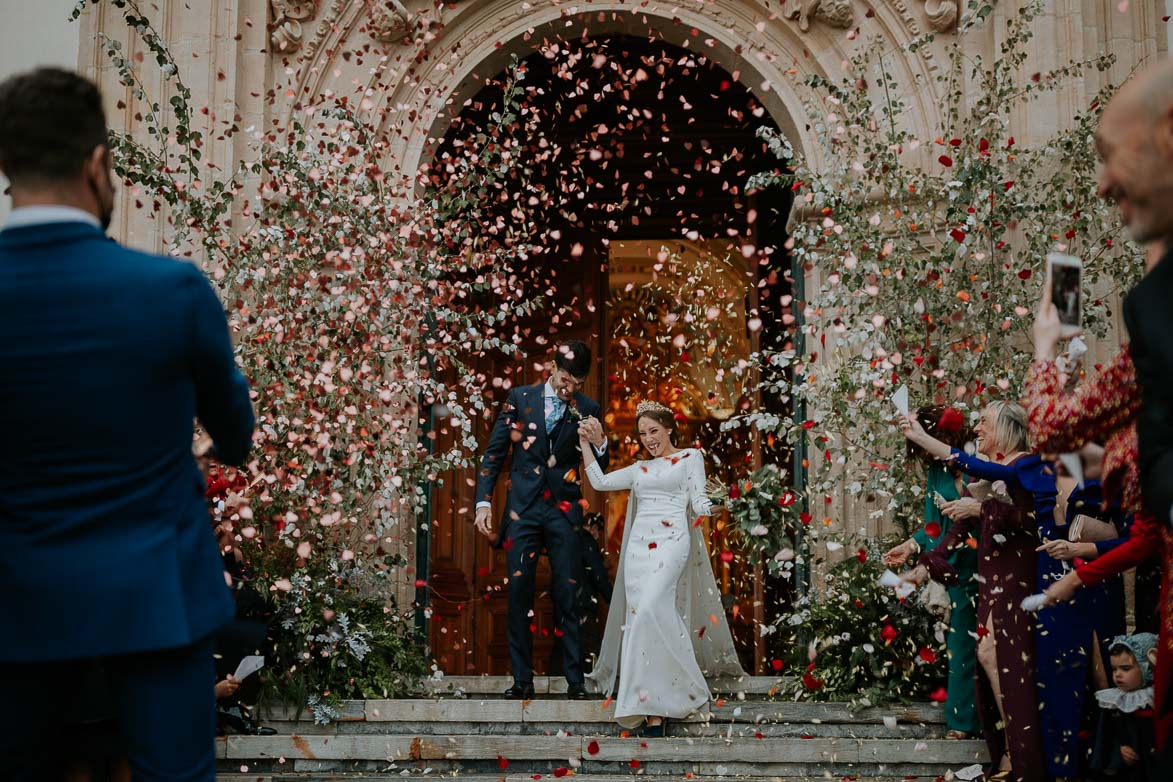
<point x="837" y="13"/>
<point x="942" y="15"/>
<point x="286" y="28"/>
<point x="389" y="21"/>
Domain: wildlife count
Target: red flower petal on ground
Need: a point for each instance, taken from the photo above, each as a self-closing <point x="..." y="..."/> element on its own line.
<point x="652" y="545"/>
<point x="502" y="762"/>
<point x="933" y="529"/>
<point x="561" y="771"/>
<point x="633" y="763"/>
<point x="593" y="748"/>
<point x="945" y="160"/>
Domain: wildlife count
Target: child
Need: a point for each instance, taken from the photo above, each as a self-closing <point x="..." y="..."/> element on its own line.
<point x="1126" y="740"/>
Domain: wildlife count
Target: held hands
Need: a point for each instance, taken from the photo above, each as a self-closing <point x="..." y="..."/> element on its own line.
<point x="590" y="430"/>
<point x="484" y="521"/>
<point x="964" y="508"/>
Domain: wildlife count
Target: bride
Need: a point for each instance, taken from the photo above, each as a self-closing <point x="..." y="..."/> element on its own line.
<point x="666" y="627"/>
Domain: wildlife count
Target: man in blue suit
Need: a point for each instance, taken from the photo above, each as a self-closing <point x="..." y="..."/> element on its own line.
<point x="538" y="429"/>
<point x="106" y="547"/>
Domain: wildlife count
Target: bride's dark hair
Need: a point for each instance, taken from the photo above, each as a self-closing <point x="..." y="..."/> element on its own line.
<point x="664" y="418"/>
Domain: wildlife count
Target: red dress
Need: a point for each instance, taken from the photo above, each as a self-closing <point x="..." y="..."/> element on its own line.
<point x="1105" y="406"/>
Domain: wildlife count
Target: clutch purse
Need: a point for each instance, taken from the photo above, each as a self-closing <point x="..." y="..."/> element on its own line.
<point x="935" y="598"/>
<point x="1085" y="529"/>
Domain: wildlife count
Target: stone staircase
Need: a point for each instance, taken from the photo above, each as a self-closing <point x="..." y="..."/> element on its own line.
<point x="467" y="730"/>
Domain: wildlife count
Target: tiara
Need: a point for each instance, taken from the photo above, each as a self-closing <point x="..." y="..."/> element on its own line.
<point x="648" y="405"/>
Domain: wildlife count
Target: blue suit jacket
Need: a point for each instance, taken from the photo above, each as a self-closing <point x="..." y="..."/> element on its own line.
<point x="538" y="464"/>
<point x="106" y="357"/>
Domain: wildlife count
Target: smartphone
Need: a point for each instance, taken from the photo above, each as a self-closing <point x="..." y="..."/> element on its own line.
<point x="939" y="499"/>
<point x="1065" y="274"/>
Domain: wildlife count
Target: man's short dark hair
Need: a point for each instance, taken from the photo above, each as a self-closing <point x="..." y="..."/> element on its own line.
<point x="51" y="120"/>
<point x="574" y="357"/>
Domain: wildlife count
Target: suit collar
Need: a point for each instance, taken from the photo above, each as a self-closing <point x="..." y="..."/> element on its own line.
<point x="43" y="214"/>
<point x="48" y="233"/>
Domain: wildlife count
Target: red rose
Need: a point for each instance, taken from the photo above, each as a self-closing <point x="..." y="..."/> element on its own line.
<point x="933" y="529"/>
<point x="862" y="555"/>
<point x="888" y="634"/>
<point x="808" y="679"/>
<point x="928" y="655"/>
<point x="734" y="492"/>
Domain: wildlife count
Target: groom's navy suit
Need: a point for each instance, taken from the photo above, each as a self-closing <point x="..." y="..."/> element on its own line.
<point x="542" y="508"/>
<point x="106" y="545"/>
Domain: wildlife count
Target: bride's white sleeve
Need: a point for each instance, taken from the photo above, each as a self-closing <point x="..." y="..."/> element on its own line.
<point x="616" y="480"/>
<point x="695" y="476"/>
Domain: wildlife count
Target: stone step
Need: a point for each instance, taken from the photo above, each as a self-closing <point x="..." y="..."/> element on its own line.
<point x="409" y="714"/>
<point x="741" y="756"/>
<point x="293" y="776"/>
<point x="556" y="685"/>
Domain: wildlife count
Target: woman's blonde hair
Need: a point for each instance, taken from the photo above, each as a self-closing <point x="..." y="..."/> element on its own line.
<point x="1010" y="431"/>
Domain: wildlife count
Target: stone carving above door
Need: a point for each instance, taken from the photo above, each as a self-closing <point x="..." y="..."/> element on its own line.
<point x="389" y="21"/>
<point x="836" y="13"/>
<point x="287" y="23"/>
<point x="942" y="15"/>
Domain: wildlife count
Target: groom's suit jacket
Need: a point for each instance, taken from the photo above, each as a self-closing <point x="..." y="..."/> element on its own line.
<point x="544" y="467"/>
<point x="106" y="357"/>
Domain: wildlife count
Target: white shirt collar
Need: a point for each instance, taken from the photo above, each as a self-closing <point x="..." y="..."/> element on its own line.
<point x="49" y="213"/>
<point x="549" y="390"/>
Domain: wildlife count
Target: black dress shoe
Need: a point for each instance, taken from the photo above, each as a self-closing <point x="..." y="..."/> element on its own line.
<point x="577" y="691"/>
<point x="520" y="691"/>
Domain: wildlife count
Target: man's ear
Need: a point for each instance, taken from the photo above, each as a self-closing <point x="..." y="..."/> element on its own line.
<point x="1163" y="134"/>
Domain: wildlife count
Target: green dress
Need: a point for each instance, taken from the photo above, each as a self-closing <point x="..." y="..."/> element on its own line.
<point x="961" y="698"/>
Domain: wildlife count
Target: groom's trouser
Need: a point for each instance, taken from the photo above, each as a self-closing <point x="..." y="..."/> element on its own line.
<point x="543" y="525"/>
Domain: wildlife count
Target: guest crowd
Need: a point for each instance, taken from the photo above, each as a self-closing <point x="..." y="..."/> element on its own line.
<point x="1032" y="546"/>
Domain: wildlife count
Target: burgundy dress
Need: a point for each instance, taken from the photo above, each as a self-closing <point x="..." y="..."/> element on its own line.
<point x="1007" y="536"/>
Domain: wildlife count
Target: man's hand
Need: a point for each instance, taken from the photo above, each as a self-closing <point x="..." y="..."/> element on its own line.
<point x="201" y="449"/>
<point x="484" y="521"/>
<point x="1128" y="755"/>
<point x="227" y="687"/>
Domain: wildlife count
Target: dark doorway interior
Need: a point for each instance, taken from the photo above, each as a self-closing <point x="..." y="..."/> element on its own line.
<point x="647" y="146"/>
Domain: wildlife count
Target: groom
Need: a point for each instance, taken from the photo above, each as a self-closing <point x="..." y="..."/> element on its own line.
<point x="538" y="428"/>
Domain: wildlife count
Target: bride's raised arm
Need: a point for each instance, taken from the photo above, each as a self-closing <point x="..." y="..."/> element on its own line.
<point x="695" y="475"/>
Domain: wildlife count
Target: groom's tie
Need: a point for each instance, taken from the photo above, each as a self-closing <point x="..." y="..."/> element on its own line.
<point x="555" y="415"/>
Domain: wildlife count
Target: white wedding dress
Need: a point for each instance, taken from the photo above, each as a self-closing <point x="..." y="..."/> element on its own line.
<point x="666" y="628"/>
